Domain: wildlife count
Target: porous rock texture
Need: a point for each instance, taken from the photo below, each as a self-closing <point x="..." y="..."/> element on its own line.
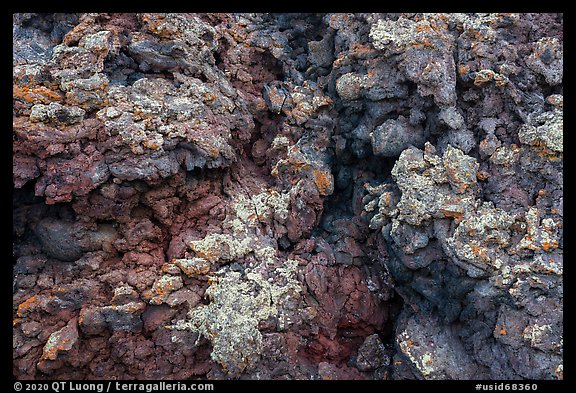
<point x="287" y="196"/>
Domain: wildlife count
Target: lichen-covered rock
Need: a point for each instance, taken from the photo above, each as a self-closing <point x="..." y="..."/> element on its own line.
<point x="481" y="239"/>
<point x="287" y="196"/>
<point x="56" y="112"/>
<point x="163" y="287"/>
<point x="231" y="320"/>
<point x="194" y="266"/>
<point x="435" y="352"/>
<point x="545" y="130"/>
<point x="547" y="59"/>
<point x="60" y="341"/>
<point x="425" y="48"/>
<point x="433" y="186"/>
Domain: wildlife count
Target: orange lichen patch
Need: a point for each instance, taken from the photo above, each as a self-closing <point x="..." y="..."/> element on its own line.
<point x="151" y="144"/>
<point x="131" y="308"/>
<point x="441" y="17"/>
<point x="193" y="267"/>
<point x="480" y="252"/>
<point x="319" y="101"/>
<point x="208" y="147"/>
<point x="139" y="114"/>
<point x="57" y="290"/>
<point x="237" y="34"/>
<point x="457" y="215"/>
<point x="425" y="43"/>
<point x="528" y="243"/>
<point x="52" y="352"/>
<point x="482" y="175"/>
<point x="300" y="166"/>
<point x="165" y="288"/>
<point x="502" y="330"/>
<point x="85" y="27"/>
<point x="82" y="317"/>
<point x="20" y="123"/>
<point x="323" y="181"/>
<point x="26" y="306"/>
<point x="339" y="60"/>
<point x="361" y="50"/>
<point x="463" y="69"/>
<point x="423" y="28"/>
<point x="156" y="24"/>
<point x="387" y="198"/>
<point x="162" y="287"/>
<point x="549" y="245"/>
<point x="452" y="172"/>
<point x="209" y="97"/>
<point x="35" y="94"/>
<point x="544" y="152"/>
<point x="484" y="76"/>
<point x="556" y="100"/>
<point x="209" y="252"/>
<point x="61" y="340"/>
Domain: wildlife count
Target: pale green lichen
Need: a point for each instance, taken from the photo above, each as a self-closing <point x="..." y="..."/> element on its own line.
<point x="553" y="68"/>
<point x="541" y="234"/>
<point x="149" y="112"/>
<point x="505" y="156"/>
<point x="400" y="33"/>
<point x="192" y="267"/>
<point x="280" y="142"/>
<point x="485" y="76"/>
<point x="57" y="113"/>
<point x="481" y="238"/>
<point x="218" y="247"/>
<point x="436" y="187"/>
<point x="426" y="31"/>
<point x="433" y="186"/>
<point x="266" y="254"/>
<point x="238" y="304"/>
<point x="546" y="130"/>
<point x="534" y="333"/>
<point x="549" y="266"/>
<point x="163" y="287"/>
<point x="59" y="341"/>
<point x="262" y="207"/>
<point x="423" y="363"/>
<point x="349" y="86"/>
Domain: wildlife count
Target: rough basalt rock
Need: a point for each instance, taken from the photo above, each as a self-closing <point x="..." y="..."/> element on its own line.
<point x="287" y="196"/>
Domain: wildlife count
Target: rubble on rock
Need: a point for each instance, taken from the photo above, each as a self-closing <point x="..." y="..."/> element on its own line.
<point x="287" y="196"/>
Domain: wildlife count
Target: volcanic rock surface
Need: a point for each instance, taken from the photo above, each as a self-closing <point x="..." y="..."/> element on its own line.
<point x="287" y="196"/>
